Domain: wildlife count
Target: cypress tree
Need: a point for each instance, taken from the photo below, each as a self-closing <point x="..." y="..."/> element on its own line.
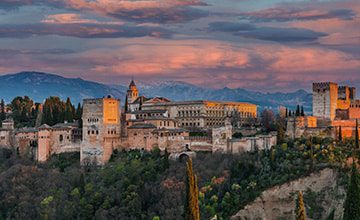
<point x="69" y="111"/>
<point x="302" y="111"/>
<point x="357" y="135"/>
<point x="340" y="134"/>
<point x="297" y="110"/>
<point x="286" y="112"/>
<point x="351" y="205"/>
<point x="192" y="211"/>
<point x="2" y="108"/>
<point x="300" y="208"/>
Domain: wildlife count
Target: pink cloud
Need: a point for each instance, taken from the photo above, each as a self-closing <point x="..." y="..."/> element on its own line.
<point x="72" y="18"/>
<point x="158" y="11"/>
<point x="203" y="62"/>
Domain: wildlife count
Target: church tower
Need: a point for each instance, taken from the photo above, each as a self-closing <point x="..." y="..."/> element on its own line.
<point x="132" y="94"/>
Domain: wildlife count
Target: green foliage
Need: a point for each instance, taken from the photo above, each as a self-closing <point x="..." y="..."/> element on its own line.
<point x="143" y="185"/>
<point x="2" y="111"/>
<point x="237" y="135"/>
<point x="351" y="206"/>
<point x="24" y="111"/>
<point x="57" y="111"/>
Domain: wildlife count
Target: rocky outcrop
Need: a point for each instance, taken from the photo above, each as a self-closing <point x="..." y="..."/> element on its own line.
<point x="320" y="189"/>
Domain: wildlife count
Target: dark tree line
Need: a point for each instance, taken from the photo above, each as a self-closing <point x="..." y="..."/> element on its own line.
<point x="57" y="111"/>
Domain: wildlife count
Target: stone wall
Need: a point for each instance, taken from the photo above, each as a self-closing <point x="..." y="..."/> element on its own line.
<point x="247" y="144"/>
<point x="325" y="97"/>
<point x="5" y="138"/>
<point x="279" y="202"/>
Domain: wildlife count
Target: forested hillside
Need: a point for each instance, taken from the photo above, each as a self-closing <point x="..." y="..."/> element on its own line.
<point x="140" y="185"/>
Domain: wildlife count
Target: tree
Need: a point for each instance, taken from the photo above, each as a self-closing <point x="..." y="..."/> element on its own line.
<point x="268" y="120"/>
<point x="340" y="134"/>
<point x="351" y="205"/>
<point x="297" y="110"/>
<point x="302" y="113"/>
<point x="69" y="111"/>
<point x="286" y="112"/>
<point x="357" y="135"/>
<point x="192" y="211"/>
<point x="2" y="110"/>
<point x="300" y="208"/>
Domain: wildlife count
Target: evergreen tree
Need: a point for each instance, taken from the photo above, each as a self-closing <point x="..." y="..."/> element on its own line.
<point x="78" y="113"/>
<point x="2" y="111"/>
<point x="351" y="205"/>
<point x="69" y="114"/>
<point x="280" y="133"/>
<point x="286" y="113"/>
<point x="192" y="211"/>
<point x="340" y="134"/>
<point x="297" y="110"/>
<point x="357" y="135"/>
<point x="290" y="113"/>
<point x="300" y="208"/>
<point x="302" y="111"/>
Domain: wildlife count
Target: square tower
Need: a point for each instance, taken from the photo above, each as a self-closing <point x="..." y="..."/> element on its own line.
<point x="101" y="130"/>
<point x="325" y="97"/>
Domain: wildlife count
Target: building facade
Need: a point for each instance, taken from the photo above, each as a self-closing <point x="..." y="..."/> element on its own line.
<point x="101" y="130"/>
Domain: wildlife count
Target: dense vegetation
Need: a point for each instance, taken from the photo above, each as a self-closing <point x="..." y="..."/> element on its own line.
<point x="27" y="113"/>
<point x="141" y="185"/>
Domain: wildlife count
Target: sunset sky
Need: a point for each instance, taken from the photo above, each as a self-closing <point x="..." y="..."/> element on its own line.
<point x="267" y="45"/>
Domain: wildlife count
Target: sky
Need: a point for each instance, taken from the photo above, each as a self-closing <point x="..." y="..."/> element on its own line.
<point x="263" y="45"/>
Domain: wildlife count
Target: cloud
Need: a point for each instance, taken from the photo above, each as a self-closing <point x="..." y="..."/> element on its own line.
<point x="156" y="11"/>
<point x="283" y="14"/>
<point x="224" y="26"/>
<point x="204" y="62"/>
<point x="282" y="34"/>
<point x="81" y="30"/>
<point x="72" y="18"/>
<point x="266" y="33"/>
<point x="12" y="4"/>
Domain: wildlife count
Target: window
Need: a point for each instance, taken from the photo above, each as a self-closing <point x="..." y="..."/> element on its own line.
<point x="61" y="138"/>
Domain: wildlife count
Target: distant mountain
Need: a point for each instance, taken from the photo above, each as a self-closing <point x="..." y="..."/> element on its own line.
<point x="39" y="86"/>
<point x="186" y="91"/>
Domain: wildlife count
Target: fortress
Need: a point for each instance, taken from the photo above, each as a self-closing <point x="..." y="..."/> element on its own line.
<point x="335" y="109"/>
<point x="144" y="124"/>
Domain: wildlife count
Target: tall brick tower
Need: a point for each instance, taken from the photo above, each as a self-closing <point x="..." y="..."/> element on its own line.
<point x="325" y="96"/>
<point x="101" y="130"/>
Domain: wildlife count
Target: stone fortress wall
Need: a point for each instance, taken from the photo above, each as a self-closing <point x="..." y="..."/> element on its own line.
<point x="333" y="107"/>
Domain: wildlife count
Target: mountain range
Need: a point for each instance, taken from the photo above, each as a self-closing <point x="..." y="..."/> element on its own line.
<point x="39" y="86"/>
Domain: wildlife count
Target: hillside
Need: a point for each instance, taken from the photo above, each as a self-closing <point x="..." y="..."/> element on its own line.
<point x="39" y="86"/>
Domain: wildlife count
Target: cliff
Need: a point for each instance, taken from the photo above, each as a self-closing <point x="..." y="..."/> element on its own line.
<point x="322" y="195"/>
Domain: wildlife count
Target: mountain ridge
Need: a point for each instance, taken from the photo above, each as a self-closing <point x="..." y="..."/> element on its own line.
<point x="40" y="85"/>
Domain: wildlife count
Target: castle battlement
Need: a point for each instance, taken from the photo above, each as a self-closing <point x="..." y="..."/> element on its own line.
<point x="323" y="85"/>
<point x="355" y="104"/>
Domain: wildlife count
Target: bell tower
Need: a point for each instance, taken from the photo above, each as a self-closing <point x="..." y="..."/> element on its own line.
<point x="131" y="95"/>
